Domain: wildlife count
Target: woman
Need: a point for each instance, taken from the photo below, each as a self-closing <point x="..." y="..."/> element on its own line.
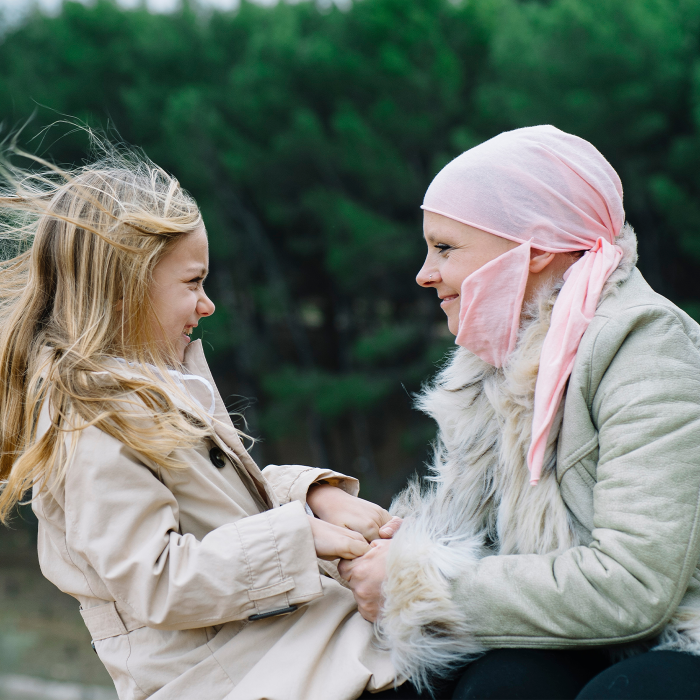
<point x="559" y="532"/>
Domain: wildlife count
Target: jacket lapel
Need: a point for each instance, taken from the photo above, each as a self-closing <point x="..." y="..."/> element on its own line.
<point x="226" y="437"/>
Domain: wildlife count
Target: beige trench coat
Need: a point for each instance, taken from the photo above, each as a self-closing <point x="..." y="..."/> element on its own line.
<point x="169" y="567"/>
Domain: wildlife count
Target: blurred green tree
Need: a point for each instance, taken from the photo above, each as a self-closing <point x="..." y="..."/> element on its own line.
<point x="309" y="138"/>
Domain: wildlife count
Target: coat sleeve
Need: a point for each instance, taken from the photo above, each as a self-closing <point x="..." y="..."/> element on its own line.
<point x="625" y="585"/>
<point x="290" y="482"/>
<point x="123" y="521"/>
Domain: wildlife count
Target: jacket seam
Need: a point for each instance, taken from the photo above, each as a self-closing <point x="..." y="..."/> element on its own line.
<point x="126" y="663"/>
<point x="68" y="554"/>
<point x="247" y="566"/>
<point x="280" y="571"/>
<point x="591" y="355"/>
<point x="605" y="314"/>
<point x="578" y="455"/>
<point x="213" y="656"/>
<point x="672" y="311"/>
<point x="293" y="484"/>
<point x="82" y="573"/>
<point x="675" y="602"/>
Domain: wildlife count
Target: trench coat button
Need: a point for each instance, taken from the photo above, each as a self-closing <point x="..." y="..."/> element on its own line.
<point x="217" y="457"/>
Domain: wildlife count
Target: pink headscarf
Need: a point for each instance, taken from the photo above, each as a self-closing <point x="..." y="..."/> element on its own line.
<point x="551" y="191"/>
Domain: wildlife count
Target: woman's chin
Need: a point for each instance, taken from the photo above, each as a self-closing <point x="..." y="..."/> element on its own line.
<point x="453" y="323"/>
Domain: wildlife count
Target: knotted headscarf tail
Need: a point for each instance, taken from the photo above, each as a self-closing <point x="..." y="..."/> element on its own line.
<point x="551" y="191"/>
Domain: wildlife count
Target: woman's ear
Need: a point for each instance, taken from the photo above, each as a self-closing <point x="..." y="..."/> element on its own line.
<point x="539" y="260"/>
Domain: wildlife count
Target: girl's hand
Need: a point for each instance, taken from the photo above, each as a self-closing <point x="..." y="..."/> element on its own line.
<point x="335" y="506"/>
<point x="333" y="542"/>
<point x="365" y="577"/>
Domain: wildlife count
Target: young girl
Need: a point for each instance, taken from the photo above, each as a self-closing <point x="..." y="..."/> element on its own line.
<point x="196" y="574"/>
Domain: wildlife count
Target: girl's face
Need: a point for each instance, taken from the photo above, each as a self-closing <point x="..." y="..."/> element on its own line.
<point x="455" y="250"/>
<point x="177" y="293"/>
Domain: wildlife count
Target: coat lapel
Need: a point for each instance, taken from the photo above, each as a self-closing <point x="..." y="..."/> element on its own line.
<point x="226" y="435"/>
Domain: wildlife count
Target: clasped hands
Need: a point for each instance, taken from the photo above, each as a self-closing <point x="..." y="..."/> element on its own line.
<point x="358" y="533"/>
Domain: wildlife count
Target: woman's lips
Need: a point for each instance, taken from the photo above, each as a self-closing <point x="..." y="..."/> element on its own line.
<point x="446" y="300"/>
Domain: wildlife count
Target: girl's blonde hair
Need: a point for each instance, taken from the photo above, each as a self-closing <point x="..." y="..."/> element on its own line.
<point x="75" y="308"/>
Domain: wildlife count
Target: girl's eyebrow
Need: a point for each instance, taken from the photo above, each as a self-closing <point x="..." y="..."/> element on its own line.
<point x="193" y="270"/>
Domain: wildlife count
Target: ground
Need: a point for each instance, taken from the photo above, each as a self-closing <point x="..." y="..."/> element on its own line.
<point x="41" y="632"/>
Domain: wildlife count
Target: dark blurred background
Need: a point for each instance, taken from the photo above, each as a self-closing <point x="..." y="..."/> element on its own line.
<point x="308" y="134"/>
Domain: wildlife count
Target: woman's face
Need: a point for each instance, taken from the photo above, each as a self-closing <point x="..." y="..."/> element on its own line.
<point x="177" y="293"/>
<point x="455" y="250"/>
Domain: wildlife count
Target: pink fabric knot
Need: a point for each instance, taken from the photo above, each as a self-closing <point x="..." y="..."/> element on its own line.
<point x="572" y="313"/>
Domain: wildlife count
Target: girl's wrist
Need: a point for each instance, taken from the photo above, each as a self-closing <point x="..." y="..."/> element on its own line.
<point x="319" y="494"/>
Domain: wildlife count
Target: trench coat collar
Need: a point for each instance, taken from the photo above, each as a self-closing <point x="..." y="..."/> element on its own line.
<point x="195" y="364"/>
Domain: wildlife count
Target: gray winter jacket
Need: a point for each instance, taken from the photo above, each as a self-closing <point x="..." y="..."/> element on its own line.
<point x="605" y="550"/>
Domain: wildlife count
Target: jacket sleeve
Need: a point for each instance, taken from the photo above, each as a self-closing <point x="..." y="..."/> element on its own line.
<point x="290" y="482"/>
<point x="644" y="400"/>
<point x="123" y="521"/>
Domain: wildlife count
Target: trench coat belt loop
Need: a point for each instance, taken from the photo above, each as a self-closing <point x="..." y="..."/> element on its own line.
<point x="104" y="621"/>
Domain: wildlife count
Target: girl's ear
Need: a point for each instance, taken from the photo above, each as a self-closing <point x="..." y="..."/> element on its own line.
<point x="539" y="260"/>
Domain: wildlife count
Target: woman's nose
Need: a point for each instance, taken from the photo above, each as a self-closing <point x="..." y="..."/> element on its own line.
<point x="427" y="276"/>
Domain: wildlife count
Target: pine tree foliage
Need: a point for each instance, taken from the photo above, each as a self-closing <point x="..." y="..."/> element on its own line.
<point x="309" y="137"/>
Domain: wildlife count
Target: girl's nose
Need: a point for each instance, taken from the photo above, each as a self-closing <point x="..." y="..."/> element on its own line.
<point x="205" y="306"/>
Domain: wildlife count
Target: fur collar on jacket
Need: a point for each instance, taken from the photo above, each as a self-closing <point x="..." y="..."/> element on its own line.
<point x="478" y="500"/>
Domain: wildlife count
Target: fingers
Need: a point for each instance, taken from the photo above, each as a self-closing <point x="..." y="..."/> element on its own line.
<point x="368" y="529"/>
<point x="356" y="546"/>
<point x="332" y="542"/>
<point x="384" y="517"/>
<point x="388" y="530"/>
<point x="345" y="569"/>
<point x="379" y="519"/>
<point x="365" y="577"/>
<point x="364" y="517"/>
<point x="333" y="505"/>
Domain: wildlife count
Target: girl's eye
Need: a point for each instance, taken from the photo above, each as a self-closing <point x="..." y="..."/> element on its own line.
<point x="442" y="247"/>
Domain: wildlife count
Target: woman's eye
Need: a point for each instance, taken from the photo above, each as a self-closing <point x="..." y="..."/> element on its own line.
<point x="442" y="247"/>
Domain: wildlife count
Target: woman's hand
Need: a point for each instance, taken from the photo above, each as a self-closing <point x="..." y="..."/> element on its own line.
<point x="335" y="506"/>
<point x="333" y="542"/>
<point x="365" y="577"/>
<point x="387" y="531"/>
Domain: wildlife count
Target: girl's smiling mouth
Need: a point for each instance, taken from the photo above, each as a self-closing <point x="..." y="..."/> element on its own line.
<point x="447" y="299"/>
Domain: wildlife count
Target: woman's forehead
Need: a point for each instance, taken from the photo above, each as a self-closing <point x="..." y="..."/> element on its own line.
<point x="437" y="226"/>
